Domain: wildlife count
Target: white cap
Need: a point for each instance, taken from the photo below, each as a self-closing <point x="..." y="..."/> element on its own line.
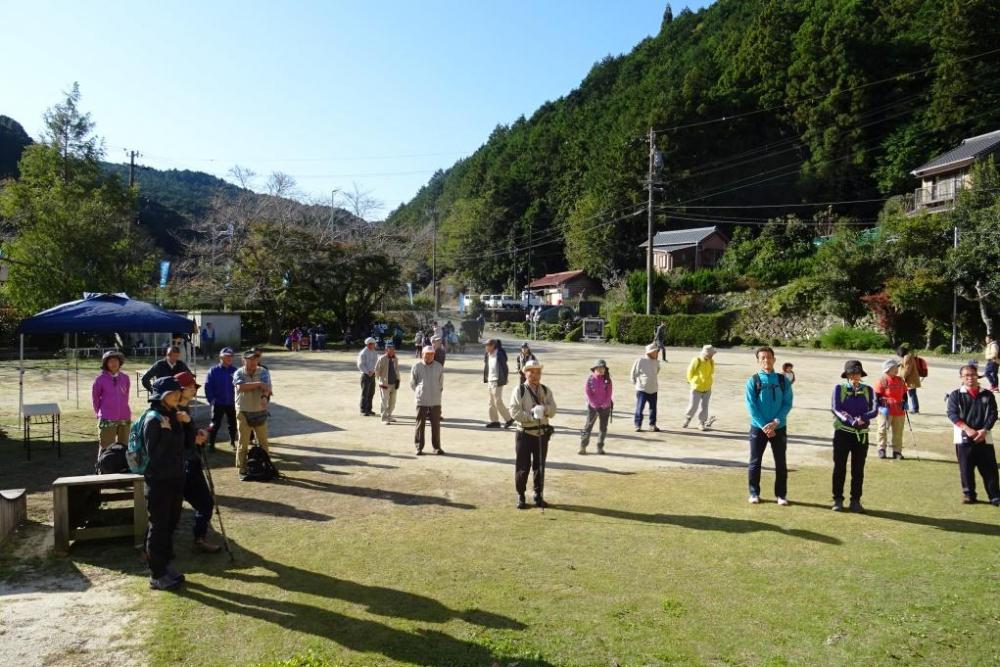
<point x="427" y="350"/>
<point x="370" y="340"/>
<point x="707" y="350"/>
<point x="652" y="347"/>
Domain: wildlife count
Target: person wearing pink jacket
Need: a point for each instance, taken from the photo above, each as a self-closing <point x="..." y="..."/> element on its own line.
<point x="600" y="402"/>
<point x="110" y="394"/>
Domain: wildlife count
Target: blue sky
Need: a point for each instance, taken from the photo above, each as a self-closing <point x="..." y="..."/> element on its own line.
<point x="334" y="93"/>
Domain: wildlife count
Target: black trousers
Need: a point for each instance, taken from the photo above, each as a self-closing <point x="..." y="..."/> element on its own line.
<point x="425" y="413"/>
<point x="367" y="392"/>
<point x="164" y="498"/>
<point x="530" y="452"/>
<point x="198" y="496"/>
<point x="846" y="445"/>
<point x="981" y="456"/>
<point x="218" y="412"/>
<point x="779" y="444"/>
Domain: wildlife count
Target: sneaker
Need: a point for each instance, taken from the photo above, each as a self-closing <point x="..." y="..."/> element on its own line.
<point x="203" y="546"/>
<point x="702" y="427"/>
<point x="881" y="453"/>
<point x="686" y="422"/>
<point x="582" y="451"/>
<point x="995" y="502"/>
<point x="164" y="583"/>
<point x="654" y="429"/>
<point x="968" y="500"/>
<point x="540" y="502"/>
<point x="493" y="425"/>
<point x="232" y="444"/>
<point x="782" y="501"/>
<point x="898" y="455"/>
<point x="754" y="500"/>
<point x="439" y="451"/>
<point x="243" y="475"/>
<point x="838" y="506"/>
<point x="420" y="452"/>
<point x="521" y="504"/>
<point x="508" y="423"/>
<point x="638" y="429"/>
<point x="174" y="573"/>
<point x="709" y="422"/>
<point x="856" y="506"/>
<point x="600" y="449"/>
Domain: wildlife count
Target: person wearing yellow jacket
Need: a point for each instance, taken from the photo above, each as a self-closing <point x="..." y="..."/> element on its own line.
<point x="699" y="376"/>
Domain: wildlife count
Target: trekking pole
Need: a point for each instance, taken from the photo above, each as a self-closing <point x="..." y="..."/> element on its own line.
<point x="218" y="513"/>
<point x="913" y="436"/>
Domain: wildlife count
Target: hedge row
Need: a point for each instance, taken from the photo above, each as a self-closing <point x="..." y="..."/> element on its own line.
<point x="687" y="330"/>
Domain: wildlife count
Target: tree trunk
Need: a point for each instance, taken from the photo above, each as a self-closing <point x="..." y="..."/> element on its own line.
<point x="928" y="332"/>
<point x="983" y="313"/>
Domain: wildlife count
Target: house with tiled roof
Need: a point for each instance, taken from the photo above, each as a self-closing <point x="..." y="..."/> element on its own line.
<point x="945" y="176"/>
<point x="557" y="288"/>
<point x="691" y="249"/>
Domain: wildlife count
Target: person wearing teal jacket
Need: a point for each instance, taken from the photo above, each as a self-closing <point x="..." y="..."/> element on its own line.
<point x="768" y="399"/>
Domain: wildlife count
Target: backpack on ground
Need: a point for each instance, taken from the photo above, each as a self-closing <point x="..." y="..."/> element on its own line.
<point x="921" y="367"/>
<point x="112" y="460"/>
<point x="259" y="466"/>
<point x="137" y="454"/>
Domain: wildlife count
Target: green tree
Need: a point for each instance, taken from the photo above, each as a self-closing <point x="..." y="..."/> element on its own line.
<point x="973" y="264"/>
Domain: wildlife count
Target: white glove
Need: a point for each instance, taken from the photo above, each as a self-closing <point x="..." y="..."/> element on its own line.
<point x="538" y="412"/>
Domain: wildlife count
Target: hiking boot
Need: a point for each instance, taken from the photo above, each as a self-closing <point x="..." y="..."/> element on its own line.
<point x="686" y="422"/>
<point x="173" y="572"/>
<point x="898" y="455"/>
<point x="493" y="425"/>
<point x="420" y="452"/>
<point x="638" y="429"/>
<point x="439" y="451"/>
<point x="164" y="583"/>
<point x="995" y="502"/>
<point x="783" y="502"/>
<point x="654" y="429"/>
<point x="881" y="453"/>
<point x="508" y="423"/>
<point x="540" y="502"/>
<point x="968" y="500"/>
<point x="838" y="506"/>
<point x="754" y="500"/>
<point x="203" y="546"/>
<point x="856" y="506"/>
<point x="582" y="451"/>
<point x="600" y="449"/>
<point x="521" y="504"/>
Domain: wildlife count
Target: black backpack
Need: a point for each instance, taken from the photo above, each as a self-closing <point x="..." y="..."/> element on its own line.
<point x="259" y="466"/>
<point x="112" y="460"/>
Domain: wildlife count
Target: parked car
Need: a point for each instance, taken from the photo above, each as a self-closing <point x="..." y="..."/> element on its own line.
<point x="508" y="301"/>
<point x="530" y="300"/>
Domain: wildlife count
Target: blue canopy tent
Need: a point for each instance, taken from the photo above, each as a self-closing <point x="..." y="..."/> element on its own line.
<point x="100" y="314"/>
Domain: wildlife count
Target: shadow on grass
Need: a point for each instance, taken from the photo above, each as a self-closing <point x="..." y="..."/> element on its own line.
<point x="686" y="460"/>
<point x="421" y="646"/>
<point x="343" y="452"/>
<point x="549" y="465"/>
<point x="701" y="522"/>
<point x="395" y="497"/>
<point x="270" y="507"/>
<point x="949" y="525"/>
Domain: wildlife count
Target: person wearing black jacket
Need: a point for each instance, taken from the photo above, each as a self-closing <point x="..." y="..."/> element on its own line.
<point x="196" y="491"/>
<point x="163" y="436"/>
<point x="495" y="376"/>
<point x="167" y="367"/>
<point x="973" y="411"/>
<point x="523" y="357"/>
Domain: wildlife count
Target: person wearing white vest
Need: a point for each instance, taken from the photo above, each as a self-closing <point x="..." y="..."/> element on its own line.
<point x="644" y="377"/>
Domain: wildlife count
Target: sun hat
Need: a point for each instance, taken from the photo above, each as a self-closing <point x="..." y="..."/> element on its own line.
<point x="853" y="366"/>
<point x="889" y="364"/>
<point x="532" y="365"/>
<point x="599" y="364"/>
<point x="525" y="345"/>
<point x="111" y="354"/>
<point x="389" y="344"/>
<point x="652" y="347"/>
<point x="708" y="350"/>
<point x="226" y="352"/>
<point x="250" y="354"/>
<point x="162" y="387"/>
<point x="187" y="379"/>
<point x="370" y="340"/>
<point x="427" y="350"/>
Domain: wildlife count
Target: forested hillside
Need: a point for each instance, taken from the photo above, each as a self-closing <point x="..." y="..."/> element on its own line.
<point x="755" y="102"/>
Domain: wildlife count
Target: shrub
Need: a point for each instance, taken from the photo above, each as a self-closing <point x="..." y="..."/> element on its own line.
<point x="681" y="329"/>
<point x="705" y="281"/>
<point x="848" y="338"/>
<point x="575" y="335"/>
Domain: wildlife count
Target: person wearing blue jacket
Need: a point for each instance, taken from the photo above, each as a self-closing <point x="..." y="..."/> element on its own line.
<point x="221" y="396"/>
<point x="854" y="407"/>
<point x="768" y="398"/>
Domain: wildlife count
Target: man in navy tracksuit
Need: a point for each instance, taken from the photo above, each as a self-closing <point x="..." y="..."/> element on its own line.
<point x="854" y="405"/>
<point x="220" y="394"/>
<point x="973" y="411"/>
<point x="768" y="398"/>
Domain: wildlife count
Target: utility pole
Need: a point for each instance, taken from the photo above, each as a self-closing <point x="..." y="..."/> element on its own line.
<point x="649" y="231"/>
<point x="132" y="155"/>
<point x="954" y="306"/>
<point x="434" y="283"/>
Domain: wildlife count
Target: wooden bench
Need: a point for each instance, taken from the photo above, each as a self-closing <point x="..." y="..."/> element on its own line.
<point x="77" y="508"/>
<point x="13" y="511"/>
<point x="42" y="414"/>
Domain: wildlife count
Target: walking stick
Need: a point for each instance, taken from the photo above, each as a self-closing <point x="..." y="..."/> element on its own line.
<point x="218" y="513"/>
<point x="913" y="437"/>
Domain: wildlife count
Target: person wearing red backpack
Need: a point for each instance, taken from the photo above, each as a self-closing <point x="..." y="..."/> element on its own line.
<point x="911" y="370"/>
<point x="891" y="392"/>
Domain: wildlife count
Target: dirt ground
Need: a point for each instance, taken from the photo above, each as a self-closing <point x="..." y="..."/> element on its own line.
<point x="317" y="432"/>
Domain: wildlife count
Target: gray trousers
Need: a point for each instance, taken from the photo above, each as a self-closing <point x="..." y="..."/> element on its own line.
<point x="593" y="414"/>
<point x="699" y="398"/>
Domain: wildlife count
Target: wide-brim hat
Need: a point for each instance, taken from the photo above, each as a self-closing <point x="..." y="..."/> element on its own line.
<point x="533" y="364"/>
<point x="600" y="363"/>
<point x="370" y="340"/>
<point x="652" y="347"/>
<point x="708" y="350"/>
<point x="889" y="364"/>
<point x="851" y="367"/>
<point x="111" y="354"/>
<point x="525" y="345"/>
<point x="250" y="354"/>
<point x="162" y="387"/>
<point x="187" y="379"/>
<point x="427" y="350"/>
